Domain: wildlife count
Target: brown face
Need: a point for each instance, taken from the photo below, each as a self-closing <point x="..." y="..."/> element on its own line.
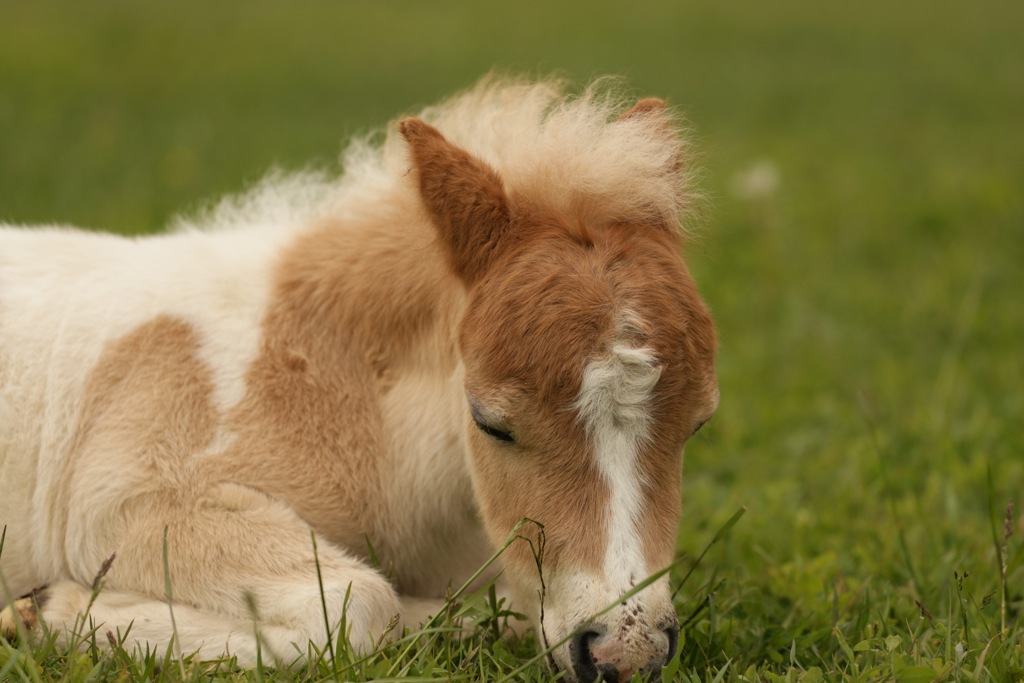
<point x="588" y="363"/>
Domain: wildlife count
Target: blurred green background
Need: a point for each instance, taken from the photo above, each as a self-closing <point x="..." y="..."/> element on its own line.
<point x="862" y="245"/>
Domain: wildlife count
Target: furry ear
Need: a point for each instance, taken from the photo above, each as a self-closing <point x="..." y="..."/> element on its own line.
<point x="656" y="111"/>
<point x="648" y="106"/>
<point x="463" y="195"/>
<point x="652" y="115"/>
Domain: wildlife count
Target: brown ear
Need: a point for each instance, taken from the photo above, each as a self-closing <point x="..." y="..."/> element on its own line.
<point x="464" y="196"/>
<point x="645" y="107"/>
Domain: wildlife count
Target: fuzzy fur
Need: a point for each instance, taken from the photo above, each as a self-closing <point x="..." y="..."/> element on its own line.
<point x="295" y="364"/>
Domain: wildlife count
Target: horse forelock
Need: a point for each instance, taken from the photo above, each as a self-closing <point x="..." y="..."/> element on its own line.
<point x="574" y="153"/>
<point x="570" y="152"/>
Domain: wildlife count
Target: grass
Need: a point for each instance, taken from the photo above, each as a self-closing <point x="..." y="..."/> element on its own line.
<point x="869" y="304"/>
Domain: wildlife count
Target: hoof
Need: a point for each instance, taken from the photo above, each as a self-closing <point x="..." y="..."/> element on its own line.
<point x="24" y="611"/>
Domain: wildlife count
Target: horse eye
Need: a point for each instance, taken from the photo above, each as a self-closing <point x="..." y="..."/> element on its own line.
<point x="481" y="423"/>
<point x="494" y="433"/>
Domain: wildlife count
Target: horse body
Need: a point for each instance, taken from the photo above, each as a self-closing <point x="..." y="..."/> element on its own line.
<point x="126" y="370"/>
<point x="413" y="359"/>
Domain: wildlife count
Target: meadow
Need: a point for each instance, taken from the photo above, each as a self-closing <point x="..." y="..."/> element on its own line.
<point x="861" y="245"/>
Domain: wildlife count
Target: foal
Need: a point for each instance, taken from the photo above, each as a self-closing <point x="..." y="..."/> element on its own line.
<point x="485" y="319"/>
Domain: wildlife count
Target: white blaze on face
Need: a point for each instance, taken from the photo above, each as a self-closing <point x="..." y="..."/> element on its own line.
<point x="613" y="404"/>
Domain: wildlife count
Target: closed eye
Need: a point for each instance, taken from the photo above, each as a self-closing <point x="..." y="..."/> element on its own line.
<point x="494" y="432"/>
<point x="484" y="426"/>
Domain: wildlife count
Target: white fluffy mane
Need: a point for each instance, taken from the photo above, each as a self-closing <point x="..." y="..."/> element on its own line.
<point x="568" y="152"/>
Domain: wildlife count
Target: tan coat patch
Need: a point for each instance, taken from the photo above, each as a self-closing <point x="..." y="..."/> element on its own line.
<point x="310" y="429"/>
<point x="146" y="411"/>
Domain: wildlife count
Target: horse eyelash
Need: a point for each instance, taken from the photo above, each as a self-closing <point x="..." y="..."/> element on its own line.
<point x="504" y="437"/>
<point x="493" y="432"/>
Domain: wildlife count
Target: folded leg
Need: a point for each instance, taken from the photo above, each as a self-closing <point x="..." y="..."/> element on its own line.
<point x="242" y="566"/>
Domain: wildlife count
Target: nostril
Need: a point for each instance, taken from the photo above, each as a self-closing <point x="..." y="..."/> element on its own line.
<point x="653" y="668"/>
<point x="587" y="670"/>
<point x="582" y="659"/>
<point x="673" y="642"/>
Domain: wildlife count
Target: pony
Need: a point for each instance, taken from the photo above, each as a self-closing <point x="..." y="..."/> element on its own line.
<point x="486" y="318"/>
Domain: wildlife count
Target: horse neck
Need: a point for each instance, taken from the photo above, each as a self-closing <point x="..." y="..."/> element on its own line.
<point x="387" y="310"/>
<point x="377" y="289"/>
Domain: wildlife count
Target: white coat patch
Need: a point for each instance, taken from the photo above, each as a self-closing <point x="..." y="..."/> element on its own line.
<point x="613" y="403"/>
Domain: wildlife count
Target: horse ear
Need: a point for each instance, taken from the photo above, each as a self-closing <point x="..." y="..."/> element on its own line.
<point x="463" y="195"/>
<point x="656" y="111"/>
<point x="648" y="106"/>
